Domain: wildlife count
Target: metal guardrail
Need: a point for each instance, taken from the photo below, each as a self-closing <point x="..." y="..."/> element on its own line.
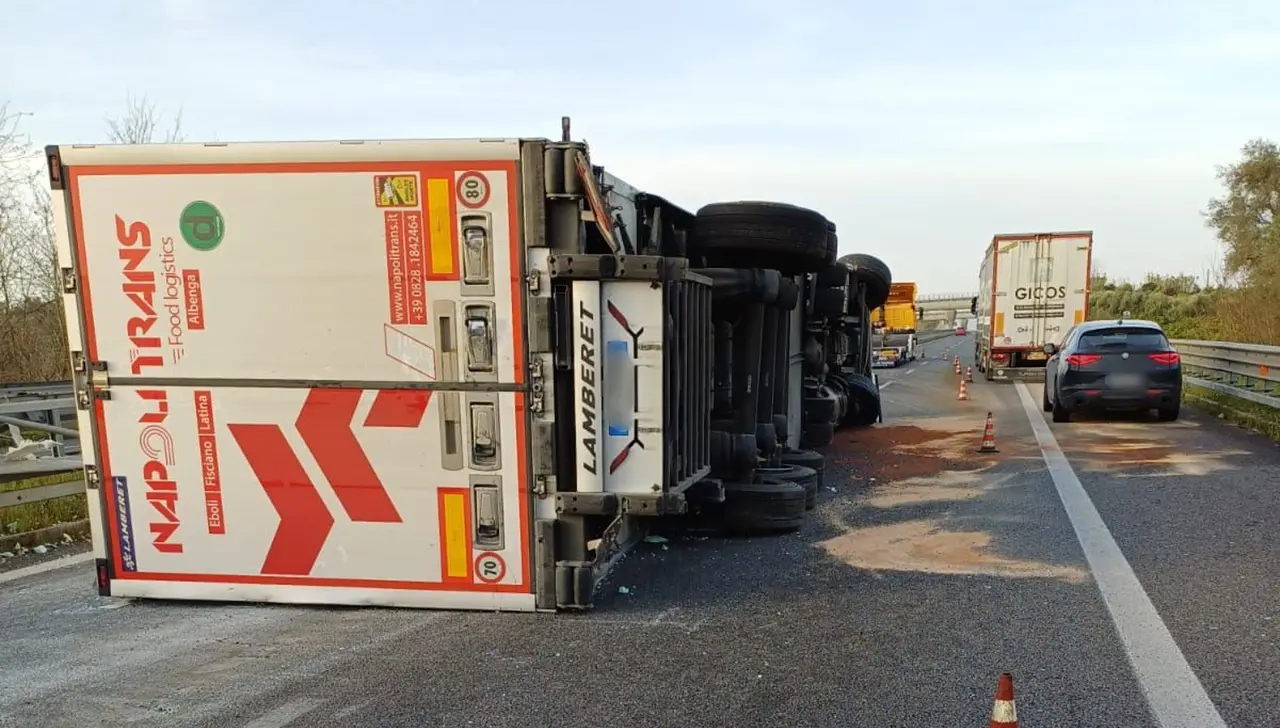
<point x="45" y="407"/>
<point x="924" y="337"/>
<point x="41" y="493"/>
<point x="1248" y="371"/>
<point x="9" y="390"/>
<point x="933" y="297"/>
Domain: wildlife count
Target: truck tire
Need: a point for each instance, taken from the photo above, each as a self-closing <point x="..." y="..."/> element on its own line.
<point x="864" y="401"/>
<point x="815" y="461"/>
<point x="873" y="273"/>
<point x="1060" y="413"/>
<point x="802" y="476"/>
<point x="792" y="240"/>
<point x="764" y="507"/>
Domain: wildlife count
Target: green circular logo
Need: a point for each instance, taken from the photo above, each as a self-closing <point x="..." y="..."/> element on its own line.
<point x="201" y="225"/>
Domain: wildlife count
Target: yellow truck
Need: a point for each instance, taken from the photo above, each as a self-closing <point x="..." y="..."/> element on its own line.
<point x="895" y="326"/>
<point x="898" y="314"/>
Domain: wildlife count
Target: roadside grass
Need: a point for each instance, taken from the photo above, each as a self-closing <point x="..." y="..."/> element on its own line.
<point x="1250" y="415"/>
<point x="33" y="516"/>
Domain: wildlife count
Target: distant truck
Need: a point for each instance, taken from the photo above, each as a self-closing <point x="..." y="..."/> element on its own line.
<point x="1033" y="287"/>
<point x="895" y="325"/>
<point x="893" y="350"/>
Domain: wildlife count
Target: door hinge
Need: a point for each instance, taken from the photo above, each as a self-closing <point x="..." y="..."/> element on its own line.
<point x="538" y="390"/>
<point x="96" y="386"/>
<point x="86" y="397"/>
<point x="92" y="479"/>
<point x="68" y="280"/>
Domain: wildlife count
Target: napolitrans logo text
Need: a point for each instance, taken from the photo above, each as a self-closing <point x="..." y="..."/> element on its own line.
<point x="202" y="225"/>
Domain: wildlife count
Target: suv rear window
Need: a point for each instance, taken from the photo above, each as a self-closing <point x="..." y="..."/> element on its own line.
<point x="1123" y="338"/>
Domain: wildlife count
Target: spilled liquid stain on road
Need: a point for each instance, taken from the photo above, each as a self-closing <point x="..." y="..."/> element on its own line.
<point x="947" y="486"/>
<point x="924" y="546"/>
<point x="1110" y="447"/>
<point x="938" y="449"/>
<point x="929" y="463"/>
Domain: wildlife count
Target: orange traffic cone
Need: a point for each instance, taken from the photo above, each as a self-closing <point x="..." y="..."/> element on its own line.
<point x="964" y="392"/>
<point x="1004" y="714"/>
<point x="957" y="365"/>
<point x="988" y="437"/>
<point x="968" y="374"/>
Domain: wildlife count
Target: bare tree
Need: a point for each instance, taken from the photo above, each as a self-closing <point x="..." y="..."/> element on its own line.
<point x="17" y="202"/>
<point x="32" y="334"/>
<point x="33" y="342"/>
<point x="140" y="123"/>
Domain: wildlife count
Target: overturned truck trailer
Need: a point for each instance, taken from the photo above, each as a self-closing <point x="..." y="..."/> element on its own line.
<point x="444" y="373"/>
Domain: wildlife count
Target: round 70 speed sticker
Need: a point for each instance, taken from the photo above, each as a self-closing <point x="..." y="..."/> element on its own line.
<point x="490" y="568"/>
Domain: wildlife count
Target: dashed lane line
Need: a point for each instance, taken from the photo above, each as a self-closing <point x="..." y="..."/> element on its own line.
<point x="1174" y="694"/>
<point x="286" y="714"/>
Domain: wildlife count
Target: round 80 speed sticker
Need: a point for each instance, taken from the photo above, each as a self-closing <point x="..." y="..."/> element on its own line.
<point x="473" y="190"/>
<point x="490" y="568"/>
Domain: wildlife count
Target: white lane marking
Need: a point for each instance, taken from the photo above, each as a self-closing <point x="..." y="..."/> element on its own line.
<point x="1174" y="694"/>
<point x="47" y="566"/>
<point x="285" y="714"/>
<point x="885" y="384"/>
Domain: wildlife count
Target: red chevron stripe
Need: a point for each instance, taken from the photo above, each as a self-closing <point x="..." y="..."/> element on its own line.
<point x="305" y="522"/>
<point x="618" y="316"/>
<point x="398" y="408"/>
<point x="325" y="426"/>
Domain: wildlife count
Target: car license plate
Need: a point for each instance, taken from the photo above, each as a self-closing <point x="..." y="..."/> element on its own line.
<point x="1125" y="381"/>
<point x="1036" y="355"/>
<point x="889" y="354"/>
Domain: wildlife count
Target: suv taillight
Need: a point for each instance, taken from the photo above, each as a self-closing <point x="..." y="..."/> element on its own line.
<point x="1083" y="360"/>
<point x="1165" y="357"/>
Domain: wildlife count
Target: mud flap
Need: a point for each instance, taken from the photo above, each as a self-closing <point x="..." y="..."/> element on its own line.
<point x="879" y="410"/>
<point x="575" y="585"/>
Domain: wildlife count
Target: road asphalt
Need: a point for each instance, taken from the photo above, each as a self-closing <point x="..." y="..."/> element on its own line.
<point x="926" y="571"/>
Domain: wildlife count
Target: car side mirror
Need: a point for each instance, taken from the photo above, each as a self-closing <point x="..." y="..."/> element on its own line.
<point x="1050" y="349"/>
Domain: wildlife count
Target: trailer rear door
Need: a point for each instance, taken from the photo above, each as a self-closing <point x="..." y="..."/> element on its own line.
<point x="306" y="367"/>
<point x="1041" y="288"/>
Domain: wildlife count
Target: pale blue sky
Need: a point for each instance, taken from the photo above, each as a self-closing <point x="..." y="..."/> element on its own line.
<point x="921" y="127"/>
